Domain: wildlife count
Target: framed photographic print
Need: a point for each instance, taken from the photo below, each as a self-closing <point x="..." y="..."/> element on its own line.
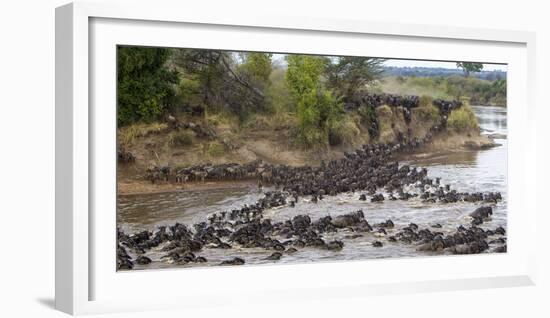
<point x="273" y="155"/>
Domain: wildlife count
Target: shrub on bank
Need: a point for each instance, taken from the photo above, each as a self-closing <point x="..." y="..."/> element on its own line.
<point x="425" y="101"/>
<point x="426" y="110"/>
<point x="181" y="138"/>
<point x="127" y="135"/>
<point x="462" y="119"/>
<point x="343" y="132"/>
<point x="387" y="120"/>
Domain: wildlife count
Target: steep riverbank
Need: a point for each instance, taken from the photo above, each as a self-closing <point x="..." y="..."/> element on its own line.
<point x="220" y="140"/>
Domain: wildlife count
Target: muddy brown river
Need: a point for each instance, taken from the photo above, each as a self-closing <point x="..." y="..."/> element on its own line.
<point x="465" y="171"/>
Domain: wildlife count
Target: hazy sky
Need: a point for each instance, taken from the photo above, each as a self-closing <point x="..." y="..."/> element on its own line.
<point x="414" y="63"/>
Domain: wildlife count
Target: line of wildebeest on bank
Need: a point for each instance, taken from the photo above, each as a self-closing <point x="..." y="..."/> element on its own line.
<point x="371" y="100"/>
<point x="406" y="102"/>
<point x="369" y="171"/>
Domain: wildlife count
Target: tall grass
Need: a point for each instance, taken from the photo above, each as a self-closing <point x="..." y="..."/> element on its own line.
<point x="127" y="135"/>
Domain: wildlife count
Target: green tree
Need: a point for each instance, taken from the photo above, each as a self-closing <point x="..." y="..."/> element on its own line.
<point x="203" y="71"/>
<point x="220" y="84"/>
<point x="469" y="67"/>
<point x="144" y="83"/>
<point x="349" y="74"/>
<point x="257" y="66"/>
<point x="317" y="108"/>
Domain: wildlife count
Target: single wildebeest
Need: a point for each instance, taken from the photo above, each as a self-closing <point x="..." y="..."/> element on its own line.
<point x="346" y="220"/>
<point x="482" y="212"/>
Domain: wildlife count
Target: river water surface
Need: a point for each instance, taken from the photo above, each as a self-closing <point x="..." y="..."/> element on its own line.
<point x="464" y="170"/>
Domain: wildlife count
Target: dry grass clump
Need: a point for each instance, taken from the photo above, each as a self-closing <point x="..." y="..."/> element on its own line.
<point x="426" y="110"/>
<point x="127" y="135"/>
<point x="181" y="138"/>
<point x="344" y="131"/>
<point x="462" y="120"/>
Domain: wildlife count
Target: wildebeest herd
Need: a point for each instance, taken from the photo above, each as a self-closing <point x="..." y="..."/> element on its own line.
<point x="369" y="171"/>
<point x="405" y="102"/>
<point x="393" y="100"/>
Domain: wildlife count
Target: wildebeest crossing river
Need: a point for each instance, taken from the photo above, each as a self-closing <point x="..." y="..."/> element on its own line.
<point x="465" y="170"/>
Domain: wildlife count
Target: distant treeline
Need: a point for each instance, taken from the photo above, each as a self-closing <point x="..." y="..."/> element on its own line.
<point x="456" y="87"/>
<point x="441" y="72"/>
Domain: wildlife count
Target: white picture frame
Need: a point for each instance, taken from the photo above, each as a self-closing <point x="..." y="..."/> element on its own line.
<point x="85" y="35"/>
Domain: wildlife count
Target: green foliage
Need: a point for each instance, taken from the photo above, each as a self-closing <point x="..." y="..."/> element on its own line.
<point x="478" y="91"/>
<point x="181" y="138"/>
<point x="367" y="113"/>
<point x="203" y="76"/>
<point x="489" y="93"/>
<point x="317" y="108"/>
<point x="257" y="66"/>
<point x="222" y="84"/>
<point x="303" y="74"/>
<point x="462" y="120"/>
<point x="189" y="89"/>
<point x="469" y="67"/>
<point x="278" y="95"/>
<point x="144" y="83"/>
<point x="349" y="74"/>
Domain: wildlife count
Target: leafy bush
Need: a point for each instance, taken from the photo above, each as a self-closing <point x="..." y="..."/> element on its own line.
<point x="347" y="75"/>
<point x="317" y="112"/>
<point x="189" y="90"/>
<point x="317" y="108"/>
<point x="181" y="138"/>
<point x="462" y="120"/>
<point x="143" y="83"/>
<point x="257" y="66"/>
